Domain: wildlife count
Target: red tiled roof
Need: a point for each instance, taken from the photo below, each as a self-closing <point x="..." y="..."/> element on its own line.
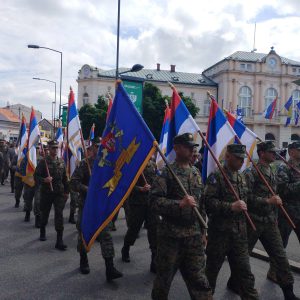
<point x="7" y="115"/>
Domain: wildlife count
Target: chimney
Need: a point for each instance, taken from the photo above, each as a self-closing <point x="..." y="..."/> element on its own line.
<point x="157" y="67"/>
<point x="173" y="68"/>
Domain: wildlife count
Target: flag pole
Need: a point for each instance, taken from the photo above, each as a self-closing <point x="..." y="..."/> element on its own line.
<point x="267" y="184"/>
<point x="84" y="152"/>
<point x="46" y="165"/>
<point x="224" y="175"/>
<point x="203" y="223"/>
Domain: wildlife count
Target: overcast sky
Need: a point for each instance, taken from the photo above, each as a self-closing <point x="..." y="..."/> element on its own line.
<point x="191" y="34"/>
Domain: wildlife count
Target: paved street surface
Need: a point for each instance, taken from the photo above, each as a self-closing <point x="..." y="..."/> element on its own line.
<point x="31" y="269"/>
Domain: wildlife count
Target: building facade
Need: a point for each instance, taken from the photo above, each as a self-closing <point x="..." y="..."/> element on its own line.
<point x="19" y="109"/>
<point x="247" y="80"/>
<point x="9" y="125"/>
<point x="251" y="81"/>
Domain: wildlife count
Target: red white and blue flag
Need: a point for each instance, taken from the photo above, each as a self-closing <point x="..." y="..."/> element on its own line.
<point x="33" y="139"/>
<point x="246" y="136"/>
<point x="219" y="134"/>
<point x="269" y="113"/>
<point x="22" y="141"/>
<point x="73" y="135"/>
<point x="181" y="122"/>
<point x="92" y="134"/>
<point x="60" y="138"/>
<point x="164" y="138"/>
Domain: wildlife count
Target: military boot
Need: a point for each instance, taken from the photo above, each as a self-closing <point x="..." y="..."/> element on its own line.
<point x="111" y="272"/>
<point x="72" y="219"/>
<point x="27" y="216"/>
<point x="37" y="222"/>
<point x="125" y="253"/>
<point x="233" y="286"/>
<point x="271" y="275"/>
<point x="43" y="233"/>
<point x="84" y="263"/>
<point x="59" y="242"/>
<point x="289" y="293"/>
<point x="17" y="203"/>
<point x="153" y="264"/>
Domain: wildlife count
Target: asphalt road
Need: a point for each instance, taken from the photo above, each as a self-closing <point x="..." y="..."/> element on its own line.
<point x="30" y="269"/>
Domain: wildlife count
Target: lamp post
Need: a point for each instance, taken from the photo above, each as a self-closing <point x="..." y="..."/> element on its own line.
<point x="40" y="47"/>
<point x="54" y="115"/>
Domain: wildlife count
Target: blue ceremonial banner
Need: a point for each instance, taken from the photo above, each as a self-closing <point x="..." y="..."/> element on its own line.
<point x="127" y="145"/>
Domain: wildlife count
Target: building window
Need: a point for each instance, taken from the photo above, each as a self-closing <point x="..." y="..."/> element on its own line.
<point x="269" y="137"/>
<point x="271" y="94"/>
<point x="246" y="67"/>
<point x="85" y="99"/>
<point x="245" y="101"/>
<point x="294" y="70"/>
<point x="206" y="107"/>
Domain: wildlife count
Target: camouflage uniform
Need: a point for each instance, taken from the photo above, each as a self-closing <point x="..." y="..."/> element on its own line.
<point x="264" y="216"/>
<point x="179" y="240"/>
<point x="140" y="211"/>
<point x="73" y="205"/>
<point x="6" y="163"/>
<point x="1" y="164"/>
<point x="79" y="183"/>
<point x="18" y="180"/>
<point x="227" y="233"/>
<point x="60" y="185"/>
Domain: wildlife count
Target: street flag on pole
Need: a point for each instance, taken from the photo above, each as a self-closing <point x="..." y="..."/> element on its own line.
<point x="123" y="154"/>
<point x="246" y="136"/>
<point x="73" y="135"/>
<point x="33" y="139"/>
<point x="218" y="135"/>
<point x="164" y="138"/>
<point x="270" y="109"/>
<point x="289" y="107"/>
<point x="181" y="122"/>
<point x="297" y="112"/>
<point x="60" y="138"/>
<point x="239" y="114"/>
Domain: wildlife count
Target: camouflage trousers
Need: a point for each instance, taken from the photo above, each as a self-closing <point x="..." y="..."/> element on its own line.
<point x="18" y="188"/>
<point x="73" y="202"/>
<point x="58" y="201"/>
<point x="138" y="214"/>
<point x="31" y="194"/>
<point x="269" y="235"/>
<point x="234" y="245"/>
<point x="105" y="239"/>
<point x="187" y="255"/>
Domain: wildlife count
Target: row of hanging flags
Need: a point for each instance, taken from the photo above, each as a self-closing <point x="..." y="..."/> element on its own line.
<point x="126" y="147"/>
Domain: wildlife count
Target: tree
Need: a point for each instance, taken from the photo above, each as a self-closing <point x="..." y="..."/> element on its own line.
<point x="154" y="105"/>
<point x="93" y="114"/>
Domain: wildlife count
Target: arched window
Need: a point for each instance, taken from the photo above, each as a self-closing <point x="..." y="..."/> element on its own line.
<point x="85" y="99"/>
<point x="296" y="100"/>
<point x="269" y="137"/>
<point x="295" y="137"/>
<point x="271" y="94"/>
<point x="245" y="101"/>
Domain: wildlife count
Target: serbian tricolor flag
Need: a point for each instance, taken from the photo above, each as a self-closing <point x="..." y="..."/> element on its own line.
<point x="219" y="134"/>
<point x="181" y="122"/>
<point x="92" y="134"/>
<point x="246" y="136"/>
<point x="73" y="135"/>
<point x="271" y="109"/>
<point x="33" y="139"/>
<point x="60" y="138"/>
<point x="164" y="138"/>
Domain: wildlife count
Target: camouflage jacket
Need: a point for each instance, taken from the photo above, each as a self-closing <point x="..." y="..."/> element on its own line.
<point x="80" y="180"/>
<point x="140" y="198"/>
<point x="289" y="187"/>
<point x="5" y="154"/>
<point x="165" y="197"/>
<point x="219" y="198"/>
<point x="58" y="173"/>
<point x="258" y="207"/>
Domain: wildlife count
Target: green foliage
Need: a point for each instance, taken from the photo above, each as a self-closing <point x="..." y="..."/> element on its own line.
<point x="154" y="105"/>
<point x="89" y="114"/>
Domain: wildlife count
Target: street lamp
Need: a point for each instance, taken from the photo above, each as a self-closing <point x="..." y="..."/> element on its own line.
<point x="134" y="68"/>
<point x="40" y="47"/>
<point x="43" y="79"/>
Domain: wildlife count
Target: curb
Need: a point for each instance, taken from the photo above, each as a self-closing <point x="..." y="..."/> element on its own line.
<point x="295" y="266"/>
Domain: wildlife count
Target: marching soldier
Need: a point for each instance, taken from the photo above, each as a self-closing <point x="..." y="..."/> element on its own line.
<point x="6" y="161"/>
<point x="79" y="183"/>
<point x="179" y="240"/>
<point x="289" y="189"/>
<point x="57" y="197"/>
<point x="227" y="233"/>
<point x="140" y="212"/>
<point x="262" y="208"/>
